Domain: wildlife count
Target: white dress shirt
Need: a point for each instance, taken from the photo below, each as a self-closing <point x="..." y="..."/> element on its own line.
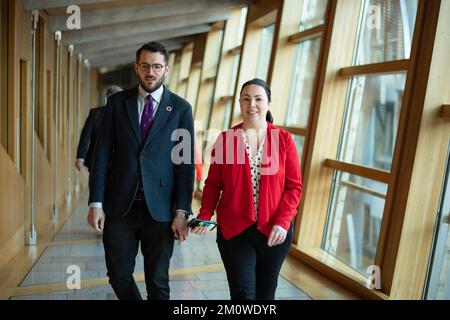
<point x="156" y="98"/>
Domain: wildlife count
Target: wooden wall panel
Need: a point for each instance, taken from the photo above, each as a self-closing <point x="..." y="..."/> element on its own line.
<point x="44" y="187"/>
<point x="12" y="209"/>
<point x="15" y="192"/>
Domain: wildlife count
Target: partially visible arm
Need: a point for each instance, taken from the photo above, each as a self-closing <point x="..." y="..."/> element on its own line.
<point x="85" y="136"/>
<point x="103" y="147"/>
<point x="79" y="164"/>
<point x="97" y="178"/>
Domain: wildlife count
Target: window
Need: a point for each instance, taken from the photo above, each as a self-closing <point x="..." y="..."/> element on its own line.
<point x="234" y="73"/>
<point x="355" y="218"/>
<point x="170" y="78"/>
<point x="312" y="13"/>
<point x="303" y="79"/>
<point x="304" y="31"/>
<point x="265" y="49"/>
<point x="368" y="132"/>
<point x="438" y="282"/>
<point x="185" y="67"/>
<point x="255" y="52"/>
<point x="175" y="73"/>
<point x="208" y="78"/>
<point x="224" y="91"/>
<point x="299" y="144"/>
<point x="372" y="119"/>
<point x="241" y="29"/>
<point x="193" y="84"/>
<point x="386" y="31"/>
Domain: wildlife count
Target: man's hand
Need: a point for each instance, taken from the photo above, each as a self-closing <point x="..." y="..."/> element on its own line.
<point x="96" y="218"/>
<point x="179" y="228"/>
<point x="79" y="164"/>
<point x="277" y="236"/>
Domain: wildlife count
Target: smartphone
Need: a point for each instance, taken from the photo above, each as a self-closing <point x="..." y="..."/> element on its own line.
<point x="202" y="223"/>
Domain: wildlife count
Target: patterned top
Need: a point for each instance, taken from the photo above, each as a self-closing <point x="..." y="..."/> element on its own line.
<point x="255" y="170"/>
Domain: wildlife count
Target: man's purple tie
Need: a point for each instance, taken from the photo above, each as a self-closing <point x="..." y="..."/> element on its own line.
<point x="147" y="117"/>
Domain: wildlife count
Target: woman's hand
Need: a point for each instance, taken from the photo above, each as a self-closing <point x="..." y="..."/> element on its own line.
<point x="199" y="230"/>
<point x="277" y="236"/>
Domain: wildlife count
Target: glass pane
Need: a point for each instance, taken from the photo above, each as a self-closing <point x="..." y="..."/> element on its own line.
<point x="193" y="86"/>
<point x="302" y="83"/>
<point x="354" y="220"/>
<point x="241" y="29"/>
<point x="227" y="115"/>
<point x="217" y="49"/>
<point x="209" y="97"/>
<point x="174" y="76"/>
<point x="265" y="49"/>
<point x="386" y="30"/>
<point x="234" y="73"/>
<point x="372" y="113"/>
<point x="313" y="13"/>
<point x="299" y="143"/>
<point x="438" y="283"/>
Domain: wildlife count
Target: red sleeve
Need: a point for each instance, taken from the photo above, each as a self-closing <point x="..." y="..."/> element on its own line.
<point x="290" y="198"/>
<point x="213" y="187"/>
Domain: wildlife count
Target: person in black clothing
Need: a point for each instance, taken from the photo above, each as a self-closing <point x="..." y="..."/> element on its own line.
<point x="140" y="187"/>
<point x="89" y="133"/>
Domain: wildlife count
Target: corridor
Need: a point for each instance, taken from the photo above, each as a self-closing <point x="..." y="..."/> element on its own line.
<point x="196" y="268"/>
<point x="355" y="86"/>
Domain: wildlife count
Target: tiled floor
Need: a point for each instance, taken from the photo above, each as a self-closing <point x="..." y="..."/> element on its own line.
<point x="197" y="251"/>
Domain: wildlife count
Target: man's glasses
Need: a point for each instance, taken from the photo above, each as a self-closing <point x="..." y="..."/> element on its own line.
<point x="157" y="67"/>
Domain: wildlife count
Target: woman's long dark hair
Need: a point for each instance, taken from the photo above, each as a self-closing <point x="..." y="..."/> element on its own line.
<point x="265" y="86"/>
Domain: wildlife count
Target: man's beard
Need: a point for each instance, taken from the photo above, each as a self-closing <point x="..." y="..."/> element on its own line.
<point x="157" y="85"/>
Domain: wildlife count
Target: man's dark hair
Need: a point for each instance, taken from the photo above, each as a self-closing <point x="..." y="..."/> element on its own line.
<point x="153" y="47"/>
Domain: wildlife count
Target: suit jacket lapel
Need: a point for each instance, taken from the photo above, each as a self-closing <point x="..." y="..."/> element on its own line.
<point x="161" y="116"/>
<point x="133" y="114"/>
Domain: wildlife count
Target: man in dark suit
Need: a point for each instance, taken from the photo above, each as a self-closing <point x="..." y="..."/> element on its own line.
<point x="89" y="133"/>
<point x="140" y="193"/>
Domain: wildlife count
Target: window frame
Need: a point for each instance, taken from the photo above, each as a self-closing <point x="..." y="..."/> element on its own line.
<point x="321" y="154"/>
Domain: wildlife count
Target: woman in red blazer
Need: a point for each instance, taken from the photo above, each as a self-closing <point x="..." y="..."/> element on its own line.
<point x="254" y="184"/>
